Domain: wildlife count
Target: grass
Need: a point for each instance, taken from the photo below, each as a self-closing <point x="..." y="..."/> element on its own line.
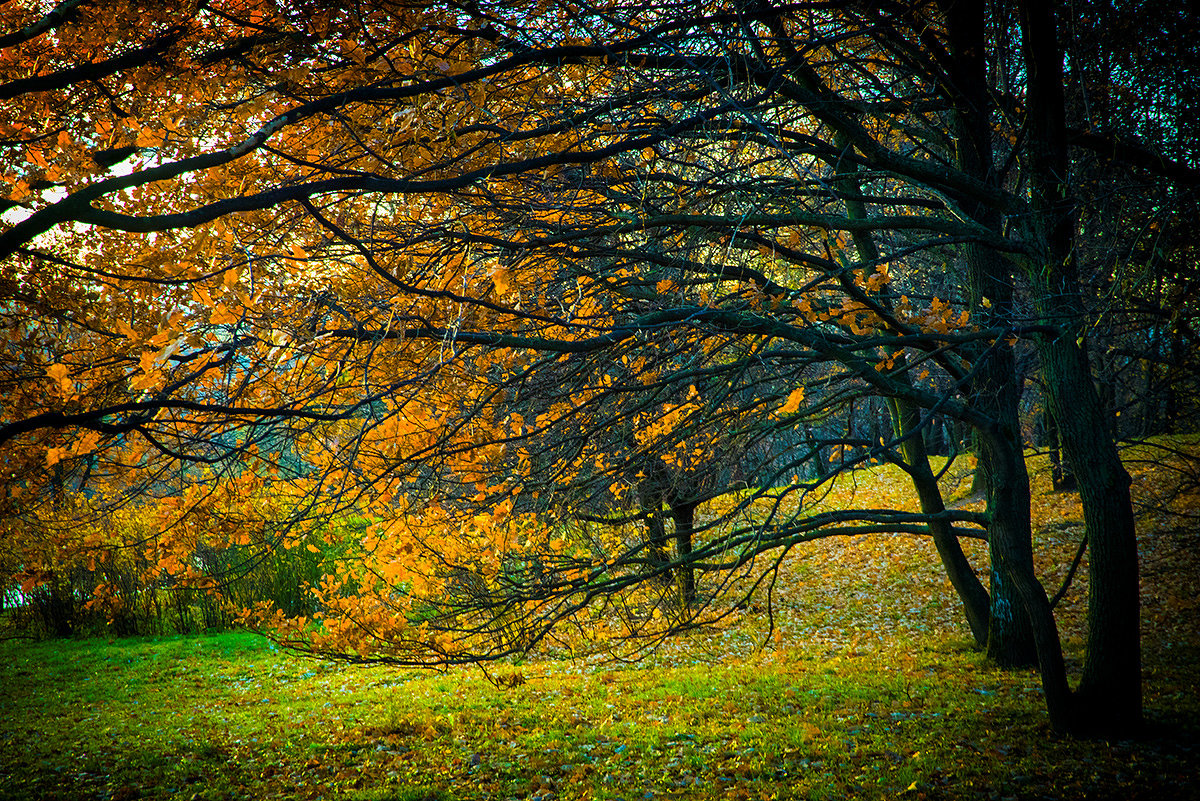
<point x="871" y="691"/>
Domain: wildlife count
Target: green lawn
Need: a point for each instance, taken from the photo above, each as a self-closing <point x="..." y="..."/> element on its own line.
<point x="228" y="717"/>
<point x="870" y="691"/>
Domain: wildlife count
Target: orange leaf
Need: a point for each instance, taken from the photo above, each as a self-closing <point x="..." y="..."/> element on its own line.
<point x="502" y="280"/>
<point x="88" y="443"/>
<point x="222" y="316"/>
<point x="201" y="296"/>
<point x="794" y="399"/>
<point x="61" y="373"/>
<point x="149" y="138"/>
<point x="148" y="361"/>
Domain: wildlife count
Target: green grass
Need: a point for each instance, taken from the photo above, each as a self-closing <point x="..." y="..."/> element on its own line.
<point x="871" y="692"/>
<point x="225" y="716"/>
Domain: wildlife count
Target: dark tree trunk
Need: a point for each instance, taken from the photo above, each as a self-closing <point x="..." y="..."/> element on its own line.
<point x="650" y="497"/>
<point x="935" y="437"/>
<point x="906" y="427"/>
<point x="683" y="514"/>
<point x="981" y="478"/>
<point x="1010" y="642"/>
<point x="974" y="597"/>
<point x="659" y="557"/>
<point x="656" y="491"/>
<point x="1109" y="693"/>
<point x="1110" y="698"/>
<point x="1011" y="546"/>
<point x="1171" y="388"/>
<point x="995" y="388"/>
<point x="1062" y="477"/>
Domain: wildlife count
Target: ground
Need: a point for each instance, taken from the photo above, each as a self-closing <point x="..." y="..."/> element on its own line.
<point x="867" y="688"/>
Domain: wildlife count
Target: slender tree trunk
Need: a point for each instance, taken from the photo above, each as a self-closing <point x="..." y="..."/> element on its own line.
<point x="1011" y="638"/>
<point x="650" y="497"/>
<point x="1171" y="407"/>
<point x="981" y="478"/>
<point x="935" y="437"/>
<point x="906" y="425"/>
<point x="683" y="514"/>
<point x="659" y="558"/>
<point x="1110" y="698"/>
<point x="1062" y="477"/>
<point x="974" y="597"/>
<point x="1110" y="687"/>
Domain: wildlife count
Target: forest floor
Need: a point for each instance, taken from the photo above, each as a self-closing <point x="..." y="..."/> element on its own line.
<point x="867" y="687"/>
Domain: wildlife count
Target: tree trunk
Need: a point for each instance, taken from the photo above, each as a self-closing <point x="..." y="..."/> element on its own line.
<point x="1110" y="690"/>
<point x="906" y="425"/>
<point x="935" y="437"/>
<point x="659" y="558"/>
<point x="683" y="514"/>
<point x="1010" y="642"/>
<point x="1062" y="477"/>
<point x="981" y="478"/>
<point x="974" y="597"/>
<point x="1011" y="545"/>
<point x="1110" y="697"/>
<point x="995" y="388"/>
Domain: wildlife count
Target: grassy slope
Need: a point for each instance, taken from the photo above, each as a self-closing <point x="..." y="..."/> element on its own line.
<point x="870" y="691"/>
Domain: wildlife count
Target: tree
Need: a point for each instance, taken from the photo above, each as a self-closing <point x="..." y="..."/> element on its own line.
<point x="448" y="268"/>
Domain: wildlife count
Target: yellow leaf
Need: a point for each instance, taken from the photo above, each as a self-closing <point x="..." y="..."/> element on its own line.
<point x="222" y="316"/>
<point x="502" y="280"/>
<point x="792" y="404"/>
<point x="61" y="374"/>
